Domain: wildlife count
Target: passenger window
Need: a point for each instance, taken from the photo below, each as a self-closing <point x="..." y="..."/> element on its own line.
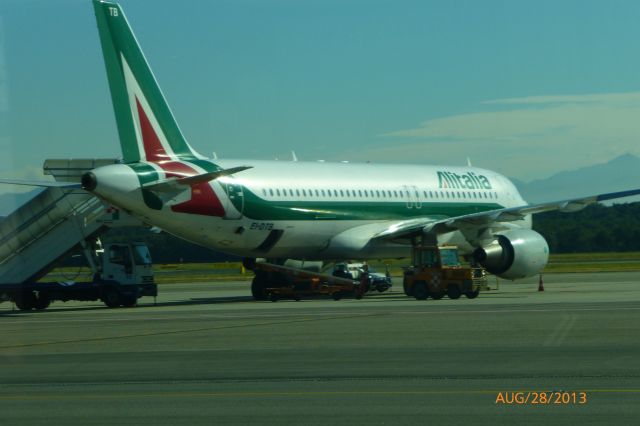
<point x="304" y="193"/>
<point x="271" y="192"/>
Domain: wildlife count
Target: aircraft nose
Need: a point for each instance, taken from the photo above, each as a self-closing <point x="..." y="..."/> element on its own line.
<point x="89" y="181"/>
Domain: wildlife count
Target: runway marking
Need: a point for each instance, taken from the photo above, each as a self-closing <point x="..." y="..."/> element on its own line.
<point x="130" y="395"/>
<point x="181" y="331"/>
<point x="556" y="338"/>
<point x="335" y="311"/>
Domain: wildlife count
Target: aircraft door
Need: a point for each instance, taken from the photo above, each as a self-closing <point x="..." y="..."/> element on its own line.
<point x="234" y="205"/>
<point x="412" y="197"/>
<point x="416" y="194"/>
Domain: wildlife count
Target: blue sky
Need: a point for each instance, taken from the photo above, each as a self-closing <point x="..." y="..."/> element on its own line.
<point x="524" y="88"/>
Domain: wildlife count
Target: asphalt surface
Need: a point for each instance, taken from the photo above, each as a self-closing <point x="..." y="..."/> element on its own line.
<point x="208" y="354"/>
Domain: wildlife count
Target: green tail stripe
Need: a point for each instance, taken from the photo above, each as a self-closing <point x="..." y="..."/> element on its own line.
<point x="117" y="39"/>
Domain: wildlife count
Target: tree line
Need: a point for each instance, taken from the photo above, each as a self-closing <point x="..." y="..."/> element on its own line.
<point x="597" y="228"/>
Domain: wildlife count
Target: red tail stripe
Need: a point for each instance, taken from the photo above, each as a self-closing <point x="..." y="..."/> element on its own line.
<point x="203" y="200"/>
<point x="153" y="149"/>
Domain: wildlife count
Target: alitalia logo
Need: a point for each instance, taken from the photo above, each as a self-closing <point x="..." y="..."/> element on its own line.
<point x="468" y="180"/>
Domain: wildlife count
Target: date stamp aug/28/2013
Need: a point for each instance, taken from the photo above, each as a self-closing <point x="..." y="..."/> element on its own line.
<point x="541" y="398"/>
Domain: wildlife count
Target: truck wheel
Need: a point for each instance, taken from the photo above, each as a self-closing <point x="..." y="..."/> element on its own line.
<point x="111" y="298"/>
<point x="473" y="294"/>
<point x="453" y="291"/>
<point x="42" y="301"/>
<point x="420" y="291"/>
<point x="408" y="290"/>
<point x="128" y="301"/>
<point x="259" y="287"/>
<point x="25" y="301"/>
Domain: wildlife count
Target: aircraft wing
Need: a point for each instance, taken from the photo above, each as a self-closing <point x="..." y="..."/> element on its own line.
<point x="417" y="226"/>
<point x="43" y="183"/>
<point x="172" y="184"/>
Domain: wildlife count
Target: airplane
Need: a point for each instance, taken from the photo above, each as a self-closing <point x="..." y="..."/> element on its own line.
<point x="301" y="210"/>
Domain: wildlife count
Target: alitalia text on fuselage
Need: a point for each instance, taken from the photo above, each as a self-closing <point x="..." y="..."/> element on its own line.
<point x="469" y="180"/>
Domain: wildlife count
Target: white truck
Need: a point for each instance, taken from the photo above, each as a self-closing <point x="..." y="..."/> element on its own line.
<point x="122" y="273"/>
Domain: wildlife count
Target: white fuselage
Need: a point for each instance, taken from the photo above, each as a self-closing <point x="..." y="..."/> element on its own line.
<point x="318" y="210"/>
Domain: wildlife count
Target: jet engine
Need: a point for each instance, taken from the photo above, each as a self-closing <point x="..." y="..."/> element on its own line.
<point x="514" y="254"/>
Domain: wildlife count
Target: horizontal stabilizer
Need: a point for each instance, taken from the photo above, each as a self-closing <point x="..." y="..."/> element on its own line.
<point x="173" y="183"/>
<point x="43" y="183"/>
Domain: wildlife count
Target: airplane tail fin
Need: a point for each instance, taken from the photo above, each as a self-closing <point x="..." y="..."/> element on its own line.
<point x="147" y="129"/>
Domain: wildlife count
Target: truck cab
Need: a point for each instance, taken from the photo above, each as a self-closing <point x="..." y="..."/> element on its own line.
<point x="125" y="274"/>
<point x="127" y="264"/>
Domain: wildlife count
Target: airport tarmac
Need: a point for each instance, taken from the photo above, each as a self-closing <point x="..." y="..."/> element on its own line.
<point x="208" y="354"/>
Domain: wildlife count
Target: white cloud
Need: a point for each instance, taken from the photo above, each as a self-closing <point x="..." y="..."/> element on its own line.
<point x="526" y="138"/>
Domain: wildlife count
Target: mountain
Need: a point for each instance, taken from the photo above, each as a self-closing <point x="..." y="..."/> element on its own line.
<point x="620" y="174"/>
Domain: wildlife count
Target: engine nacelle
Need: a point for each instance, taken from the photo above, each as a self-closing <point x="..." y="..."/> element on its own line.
<point x="514" y="254"/>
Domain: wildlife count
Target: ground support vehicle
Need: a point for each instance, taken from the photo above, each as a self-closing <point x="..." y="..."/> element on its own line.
<point x="122" y="274"/>
<point x="436" y="272"/>
<point x="274" y="282"/>
<point x="58" y="222"/>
